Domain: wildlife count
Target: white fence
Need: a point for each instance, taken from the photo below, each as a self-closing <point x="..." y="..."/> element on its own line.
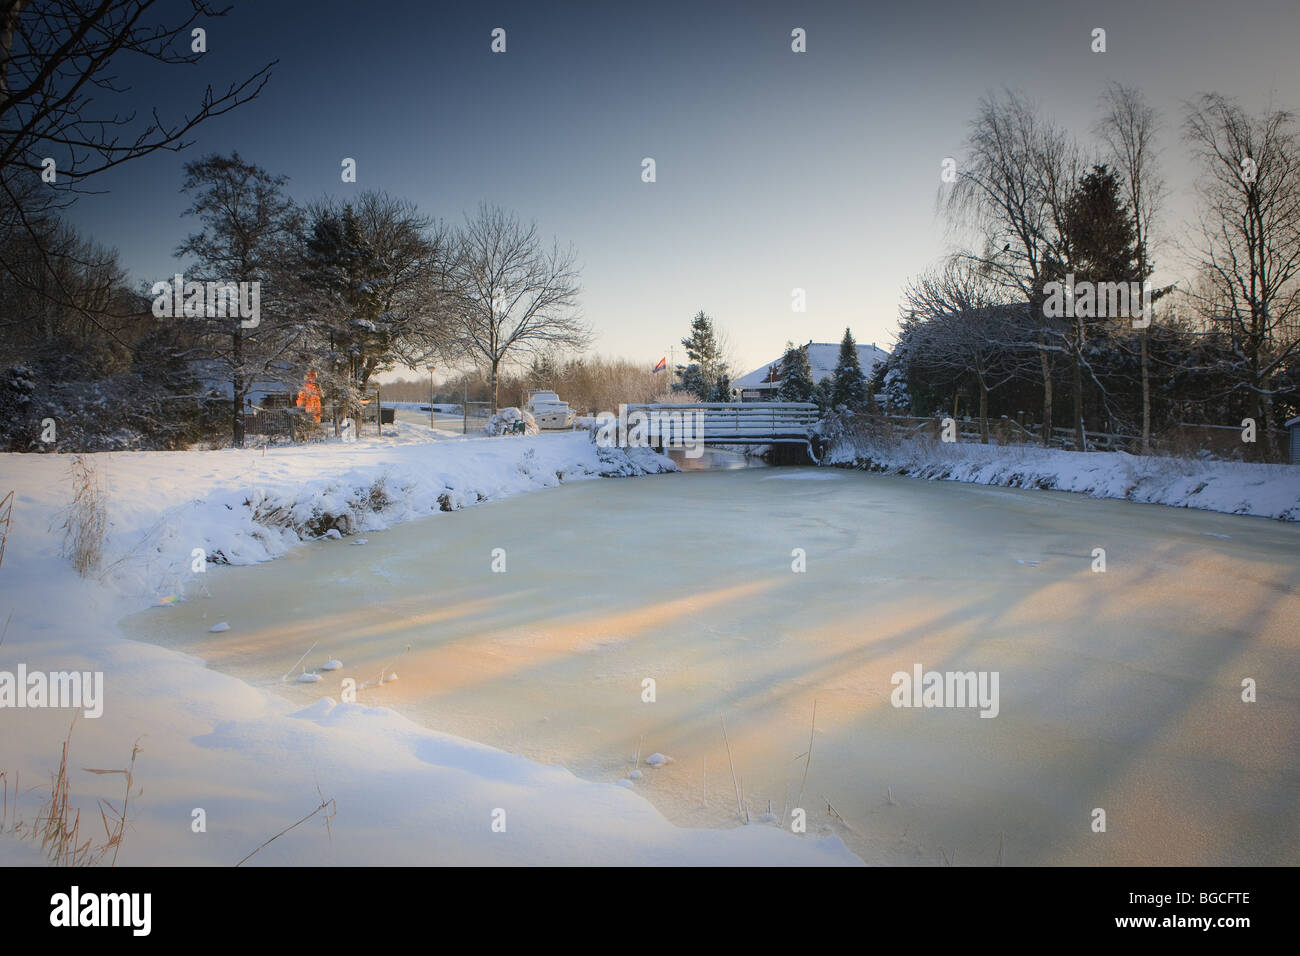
<point x="737" y="423"/>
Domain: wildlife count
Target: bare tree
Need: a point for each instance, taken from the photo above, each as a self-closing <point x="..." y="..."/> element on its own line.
<point x="61" y="99"/>
<point x="1011" y="189"/>
<point x="78" y="294"/>
<point x="57" y="83"/>
<point x="1128" y="127"/>
<point x="512" y="295"/>
<point x="1247" y="247"/>
<point x="963" y="326"/>
<point x="413" y="254"/>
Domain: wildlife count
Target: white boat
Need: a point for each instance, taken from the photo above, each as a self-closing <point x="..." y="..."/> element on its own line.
<point x="548" y="410"/>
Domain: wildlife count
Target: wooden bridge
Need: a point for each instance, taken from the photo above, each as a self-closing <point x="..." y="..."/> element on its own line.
<point x="733" y="423"/>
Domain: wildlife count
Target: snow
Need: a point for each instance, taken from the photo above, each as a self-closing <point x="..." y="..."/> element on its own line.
<point x="803" y="476"/>
<point x="507" y="417"/>
<point x="251" y="759"/>
<point x="1243" y="488"/>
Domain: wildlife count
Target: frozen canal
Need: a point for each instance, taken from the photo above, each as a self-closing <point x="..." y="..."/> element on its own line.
<point x="1118" y="690"/>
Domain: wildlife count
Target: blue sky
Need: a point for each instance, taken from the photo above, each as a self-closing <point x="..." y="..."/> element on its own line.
<point x="775" y="170"/>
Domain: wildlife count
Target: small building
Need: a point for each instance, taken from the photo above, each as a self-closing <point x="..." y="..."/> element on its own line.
<point x="268" y="389"/>
<point x="1293" y="441"/>
<point x="761" y="384"/>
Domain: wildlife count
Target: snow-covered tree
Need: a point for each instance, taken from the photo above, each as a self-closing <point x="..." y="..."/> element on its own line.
<point x="849" y="386"/>
<point x="1097" y="245"/>
<point x="796" y="375"/>
<point x="823" y="394"/>
<point x="958" y="331"/>
<point x="248" y="236"/>
<point x="373" y="271"/>
<point x="706" y="375"/>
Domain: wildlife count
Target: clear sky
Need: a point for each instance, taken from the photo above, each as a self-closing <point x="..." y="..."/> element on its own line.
<point x="775" y="170"/>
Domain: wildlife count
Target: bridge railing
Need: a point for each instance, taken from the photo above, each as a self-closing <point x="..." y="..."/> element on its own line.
<point x="719" y="421"/>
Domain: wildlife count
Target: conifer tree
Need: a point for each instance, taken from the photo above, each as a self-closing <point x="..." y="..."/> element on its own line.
<point x="706" y="375"/>
<point x="796" y="375"/>
<point x="849" y="387"/>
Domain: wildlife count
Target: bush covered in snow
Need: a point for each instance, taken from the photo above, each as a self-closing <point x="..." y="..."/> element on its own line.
<point x="503" y="421"/>
<point x="150" y="406"/>
<point x="1245" y="488"/>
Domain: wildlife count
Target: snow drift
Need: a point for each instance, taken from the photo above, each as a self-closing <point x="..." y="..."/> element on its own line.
<point x="1271" y="491"/>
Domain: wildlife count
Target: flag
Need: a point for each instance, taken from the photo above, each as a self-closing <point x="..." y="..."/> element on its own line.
<point x="662" y="364"/>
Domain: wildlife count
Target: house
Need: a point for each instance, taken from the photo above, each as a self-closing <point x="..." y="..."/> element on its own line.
<point x="267" y="389"/>
<point x="761" y="384"/>
<point x="1293" y="430"/>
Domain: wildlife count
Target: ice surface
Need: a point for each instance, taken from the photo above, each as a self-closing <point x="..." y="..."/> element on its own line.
<point x="1118" y="689"/>
<point x="256" y="757"/>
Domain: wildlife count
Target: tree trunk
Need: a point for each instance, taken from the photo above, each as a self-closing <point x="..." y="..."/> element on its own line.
<point x="1076" y="373"/>
<point x="237" y="425"/>
<point x="984" y="413"/>
<point x="238" y="387"/>
<point x="1047" y="390"/>
<point x="493" y="383"/>
<point x="1263" y="436"/>
<point x="1146" y="396"/>
<point x="8" y="24"/>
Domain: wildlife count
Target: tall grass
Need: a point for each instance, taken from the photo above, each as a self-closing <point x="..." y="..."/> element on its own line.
<point x="87" y="517"/>
<point x="57" y="828"/>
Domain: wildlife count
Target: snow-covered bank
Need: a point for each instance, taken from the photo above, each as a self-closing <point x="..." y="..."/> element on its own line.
<point x="245" y="506"/>
<point x="1271" y="491"/>
<point x="246" y="757"/>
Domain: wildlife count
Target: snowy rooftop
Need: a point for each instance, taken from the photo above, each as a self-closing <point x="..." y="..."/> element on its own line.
<point x="822" y="356"/>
